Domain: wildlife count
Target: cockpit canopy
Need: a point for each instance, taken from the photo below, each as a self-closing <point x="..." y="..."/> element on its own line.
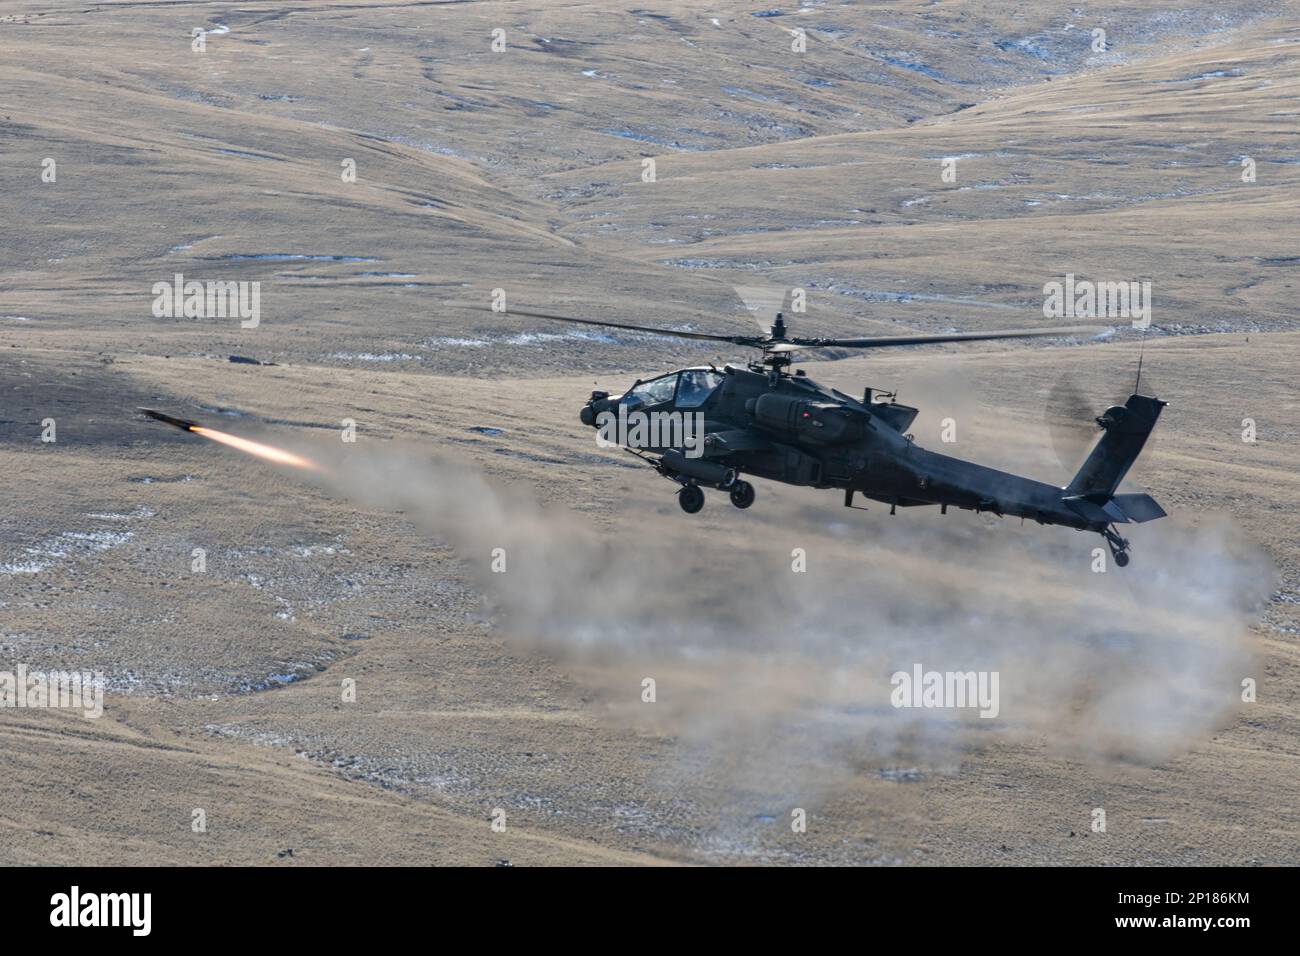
<point x="689" y="388"/>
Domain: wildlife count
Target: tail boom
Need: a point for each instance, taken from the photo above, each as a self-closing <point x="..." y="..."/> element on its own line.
<point x="1088" y="502"/>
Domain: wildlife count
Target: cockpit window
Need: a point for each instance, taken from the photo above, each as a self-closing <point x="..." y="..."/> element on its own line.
<point x="654" y="392"/>
<point x="695" y="386"/>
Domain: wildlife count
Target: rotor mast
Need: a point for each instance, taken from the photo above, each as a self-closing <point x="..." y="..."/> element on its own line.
<point x="775" y="358"/>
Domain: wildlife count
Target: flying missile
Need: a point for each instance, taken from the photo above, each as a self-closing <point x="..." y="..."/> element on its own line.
<point x="180" y="423"/>
<point x="280" y="456"/>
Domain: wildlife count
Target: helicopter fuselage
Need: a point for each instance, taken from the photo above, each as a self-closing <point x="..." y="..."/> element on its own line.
<point x="788" y="428"/>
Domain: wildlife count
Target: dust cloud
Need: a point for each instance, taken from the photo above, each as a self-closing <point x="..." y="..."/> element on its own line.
<point x="781" y="680"/>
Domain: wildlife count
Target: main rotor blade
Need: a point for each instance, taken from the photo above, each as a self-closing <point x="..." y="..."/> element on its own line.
<point x="767" y="343"/>
<point x="886" y="341"/>
<point x="753" y="340"/>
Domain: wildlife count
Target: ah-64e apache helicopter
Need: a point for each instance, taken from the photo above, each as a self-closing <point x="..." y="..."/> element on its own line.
<point x="763" y="421"/>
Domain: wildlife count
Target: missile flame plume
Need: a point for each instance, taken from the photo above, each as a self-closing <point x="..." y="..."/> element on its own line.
<point x="268" y="452"/>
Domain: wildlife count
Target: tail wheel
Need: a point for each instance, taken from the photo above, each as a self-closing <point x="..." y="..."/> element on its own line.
<point x="1118" y="546"/>
<point x="691" y="498"/>
<point x="742" y="494"/>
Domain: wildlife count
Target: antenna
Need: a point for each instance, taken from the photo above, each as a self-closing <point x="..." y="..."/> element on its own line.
<point x="1137" y="384"/>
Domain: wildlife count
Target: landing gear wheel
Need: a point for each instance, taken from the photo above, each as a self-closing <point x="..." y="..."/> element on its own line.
<point x="742" y="494"/>
<point x="1118" y="547"/>
<point x="691" y="498"/>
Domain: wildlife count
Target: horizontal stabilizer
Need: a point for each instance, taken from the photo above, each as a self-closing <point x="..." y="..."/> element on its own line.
<point x="1139" y="507"/>
<point x="1121" y="509"/>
